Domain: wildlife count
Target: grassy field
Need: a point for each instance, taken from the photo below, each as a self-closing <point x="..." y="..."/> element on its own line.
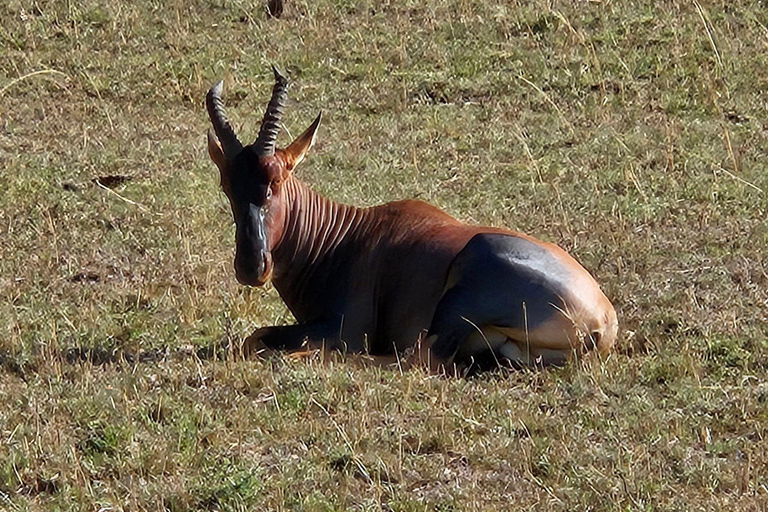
<point x="634" y="134"/>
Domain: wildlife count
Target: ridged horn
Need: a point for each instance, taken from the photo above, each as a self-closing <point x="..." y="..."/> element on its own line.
<point x="270" y="126"/>
<point x="226" y="135"/>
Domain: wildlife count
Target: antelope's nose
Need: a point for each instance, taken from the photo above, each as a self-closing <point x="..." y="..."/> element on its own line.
<point x="250" y="271"/>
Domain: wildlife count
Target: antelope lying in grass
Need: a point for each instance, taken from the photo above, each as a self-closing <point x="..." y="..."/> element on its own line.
<point x="386" y="279"/>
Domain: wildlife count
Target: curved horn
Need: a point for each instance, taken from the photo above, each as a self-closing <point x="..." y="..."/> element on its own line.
<point x="270" y="126"/>
<point x="226" y="135"/>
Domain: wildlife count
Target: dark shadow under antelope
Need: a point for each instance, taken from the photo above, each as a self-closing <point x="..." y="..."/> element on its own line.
<point x="401" y="275"/>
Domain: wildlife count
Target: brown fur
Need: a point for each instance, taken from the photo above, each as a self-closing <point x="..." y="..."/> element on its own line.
<point x="370" y="279"/>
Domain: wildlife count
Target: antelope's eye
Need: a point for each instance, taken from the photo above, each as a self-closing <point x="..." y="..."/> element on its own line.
<point x="269" y="192"/>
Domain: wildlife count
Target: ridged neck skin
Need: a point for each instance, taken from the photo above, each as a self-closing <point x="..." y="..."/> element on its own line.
<point x="313" y="228"/>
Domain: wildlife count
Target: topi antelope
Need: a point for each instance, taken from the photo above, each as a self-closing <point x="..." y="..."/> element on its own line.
<point x="396" y="276"/>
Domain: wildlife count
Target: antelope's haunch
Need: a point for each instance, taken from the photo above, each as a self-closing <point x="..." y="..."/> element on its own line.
<point x="376" y="279"/>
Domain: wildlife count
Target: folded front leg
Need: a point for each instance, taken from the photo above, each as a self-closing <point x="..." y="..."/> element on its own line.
<point x="309" y="336"/>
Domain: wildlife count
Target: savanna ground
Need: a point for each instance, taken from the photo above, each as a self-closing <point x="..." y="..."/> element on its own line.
<point x="634" y="134"/>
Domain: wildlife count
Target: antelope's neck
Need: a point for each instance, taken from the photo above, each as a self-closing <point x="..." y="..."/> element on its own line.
<point x="313" y="228"/>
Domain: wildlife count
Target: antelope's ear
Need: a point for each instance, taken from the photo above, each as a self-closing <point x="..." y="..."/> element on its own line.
<point x="218" y="157"/>
<point x="215" y="151"/>
<point x="295" y="153"/>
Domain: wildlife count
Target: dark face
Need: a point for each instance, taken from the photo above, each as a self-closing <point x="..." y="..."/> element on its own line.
<point x="253" y="177"/>
<point x="250" y="183"/>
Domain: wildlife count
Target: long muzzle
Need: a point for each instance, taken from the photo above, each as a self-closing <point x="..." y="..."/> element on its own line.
<point x="253" y="261"/>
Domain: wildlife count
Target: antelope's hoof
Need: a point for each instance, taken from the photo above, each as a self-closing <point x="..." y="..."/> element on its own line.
<point x="303" y="354"/>
<point x="253" y="345"/>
